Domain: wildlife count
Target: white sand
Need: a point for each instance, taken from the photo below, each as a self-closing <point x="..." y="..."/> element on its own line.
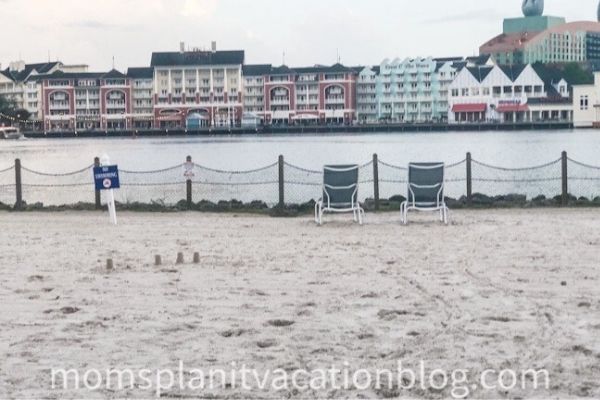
<point x="484" y="292"/>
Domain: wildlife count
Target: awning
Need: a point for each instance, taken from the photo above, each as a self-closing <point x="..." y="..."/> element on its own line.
<point x="474" y="107"/>
<point x="506" y="108"/>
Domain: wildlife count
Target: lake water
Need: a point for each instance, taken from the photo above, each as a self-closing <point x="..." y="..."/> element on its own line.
<point x="509" y="149"/>
<point x="505" y="149"/>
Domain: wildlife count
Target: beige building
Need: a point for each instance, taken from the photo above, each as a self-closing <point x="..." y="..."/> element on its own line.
<point x="586" y="104"/>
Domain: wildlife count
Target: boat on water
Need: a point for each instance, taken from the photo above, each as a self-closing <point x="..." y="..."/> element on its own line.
<point x="10" y="132"/>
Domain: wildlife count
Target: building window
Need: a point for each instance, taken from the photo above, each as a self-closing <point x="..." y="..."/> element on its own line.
<point x="454" y="92"/>
<point x="584" y="103"/>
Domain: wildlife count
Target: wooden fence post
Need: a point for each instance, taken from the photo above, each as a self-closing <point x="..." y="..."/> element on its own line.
<point x="565" y="178"/>
<point x="281" y="183"/>
<point x="97" y="197"/>
<point x="18" y="185"/>
<point x="376" y="181"/>
<point x="188" y="186"/>
<point x="469" y="179"/>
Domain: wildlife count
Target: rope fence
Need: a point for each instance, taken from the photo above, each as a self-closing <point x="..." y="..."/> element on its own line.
<point x="562" y="181"/>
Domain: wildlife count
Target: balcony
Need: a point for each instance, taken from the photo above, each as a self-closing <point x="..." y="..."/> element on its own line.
<point x="59" y="107"/>
<point x="335" y="101"/>
<point x="280" y="102"/>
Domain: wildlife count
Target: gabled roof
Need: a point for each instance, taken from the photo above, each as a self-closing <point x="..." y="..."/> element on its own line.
<point x="459" y="65"/>
<point x="447" y="59"/>
<point x="141" y="73"/>
<point x="281" y="70"/>
<point x="257" y="69"/>
<point x="479" y="60"/>
<point x="168" y="59"/>
<point x="40" y="68"/>
<point x="267" y="69"/>
<point x="112" y="74"/>
<point x="512" y="71"/>
<point x="322" y="68"/>
<point x="480" y="73"/>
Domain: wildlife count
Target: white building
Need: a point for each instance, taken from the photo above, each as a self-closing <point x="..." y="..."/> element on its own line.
<point x="204" y="84"/>
<point x="586" y="104"/>
<point x="517" y="93"/>
<point x="409" y="90"/>
<point x="18" y="83"/>
<point x="142" y="90"/>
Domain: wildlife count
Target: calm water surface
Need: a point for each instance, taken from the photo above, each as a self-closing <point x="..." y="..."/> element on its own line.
<point x="510" y="149"/>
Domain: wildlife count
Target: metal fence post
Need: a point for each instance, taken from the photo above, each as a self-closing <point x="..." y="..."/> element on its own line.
<point x="18" y="185"/>
<point x="565" y="178"/>
<point x="376" y="181"/>
<point x="188" y="186"/>
<point x="281" y="183"/>
<point x="469" y="179"/>
<point x="97" y="197"/>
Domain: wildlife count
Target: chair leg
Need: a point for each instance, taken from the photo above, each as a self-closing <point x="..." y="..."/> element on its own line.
<point x="446" y="211"/>
<point x="354" y="216"/>
<point x="360" y="215"/>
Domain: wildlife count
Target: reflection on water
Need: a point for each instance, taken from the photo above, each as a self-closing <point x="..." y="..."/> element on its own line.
<point x="246" y="152"/>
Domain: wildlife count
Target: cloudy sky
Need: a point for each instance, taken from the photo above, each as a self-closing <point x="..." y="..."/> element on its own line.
<point x="308" y="31"/>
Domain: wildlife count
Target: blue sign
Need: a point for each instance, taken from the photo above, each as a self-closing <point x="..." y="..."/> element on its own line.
<point x="106" y="177"/>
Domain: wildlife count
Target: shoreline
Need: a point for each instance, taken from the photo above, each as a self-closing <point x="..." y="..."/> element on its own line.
<point x="283" y="130"/>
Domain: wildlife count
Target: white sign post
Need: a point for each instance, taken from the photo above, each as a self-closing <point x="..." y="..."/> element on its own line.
<point x="110" y="193"/>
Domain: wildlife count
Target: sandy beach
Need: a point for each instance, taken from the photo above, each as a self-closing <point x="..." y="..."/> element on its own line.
<point x="499" y="289"/>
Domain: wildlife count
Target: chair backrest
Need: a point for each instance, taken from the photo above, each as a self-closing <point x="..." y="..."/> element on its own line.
<point x="426" y="183"/>
<point x="340" y="183"/>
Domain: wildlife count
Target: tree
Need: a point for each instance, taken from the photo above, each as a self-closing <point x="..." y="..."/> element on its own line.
<point x="7" y="109"/>
<point x="10" y="114"/>
<point x="576" y="74"/>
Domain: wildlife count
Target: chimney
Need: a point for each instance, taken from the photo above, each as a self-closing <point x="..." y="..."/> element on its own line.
<point x="182" y="47"/>
<point x="214" y="47"/>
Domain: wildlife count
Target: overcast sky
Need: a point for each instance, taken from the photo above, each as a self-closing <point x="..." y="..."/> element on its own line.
<point x="308" y="31"/>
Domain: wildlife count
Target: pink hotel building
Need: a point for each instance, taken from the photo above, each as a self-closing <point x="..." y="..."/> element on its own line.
<point x="212" y="88"/>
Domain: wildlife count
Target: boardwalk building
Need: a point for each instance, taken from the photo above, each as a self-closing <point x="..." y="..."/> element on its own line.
<point x="292" y="96"/>
<point x="409" y="90"/>
<point x="85" y="101"/>
<point x="200" y="87"/>
<point x="518" y="93"/>
<point x="18" y="83"/>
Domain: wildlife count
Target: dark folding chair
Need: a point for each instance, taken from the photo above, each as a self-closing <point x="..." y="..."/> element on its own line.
<point x="340" y="192"/>
<point x="425" y="190"/>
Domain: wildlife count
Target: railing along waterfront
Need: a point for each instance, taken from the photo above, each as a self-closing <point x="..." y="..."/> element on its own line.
<point x="560" y="182"/>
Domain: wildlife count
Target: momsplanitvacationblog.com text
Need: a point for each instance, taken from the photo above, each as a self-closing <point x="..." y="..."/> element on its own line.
<point x="459" y="382"/>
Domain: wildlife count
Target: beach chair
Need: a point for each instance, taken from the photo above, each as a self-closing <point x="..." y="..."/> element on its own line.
<point x="425" y="190"/>
<point x="340" y="192"/>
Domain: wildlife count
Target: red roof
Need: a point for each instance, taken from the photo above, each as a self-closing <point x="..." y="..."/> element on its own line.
<point x="506" y="108"/>
<point x="476" y="107"/>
